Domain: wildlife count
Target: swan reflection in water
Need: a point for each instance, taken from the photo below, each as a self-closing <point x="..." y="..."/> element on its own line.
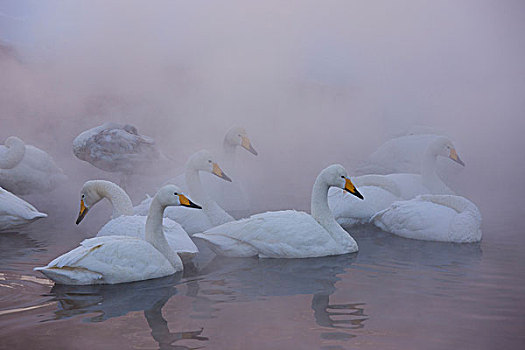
<point x="108" y="301"/>
<point x="247" y="279"/>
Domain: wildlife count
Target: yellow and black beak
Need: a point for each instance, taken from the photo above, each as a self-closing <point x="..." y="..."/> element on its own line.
<point x="218" y="171"/>
<point x="83" y="211"/>
<point x="349" y="186"/>
<point x="454" y="156"/>
<point x="184" y="201"/>
<point x="247" y="145"/>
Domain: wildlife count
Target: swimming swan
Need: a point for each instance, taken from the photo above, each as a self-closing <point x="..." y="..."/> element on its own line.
<point x="289" y="234"/>
<point x="231" y="196"/>
<point x="404" y="154"/>
<point x="26" y="169"/>
<point x="382" y="190"/>
<point x="212" y="214"/>
<point x="443" y="218"/>
<point x="16" y="212"/>
<point x="120" y="259"/>
<point x="124" y="223"/>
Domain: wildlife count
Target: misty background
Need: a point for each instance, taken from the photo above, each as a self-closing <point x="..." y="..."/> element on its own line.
<point x="313" y="83"/>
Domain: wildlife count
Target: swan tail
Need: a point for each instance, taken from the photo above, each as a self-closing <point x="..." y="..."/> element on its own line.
<point x="36" y="215"/>
<point x="70" y="275"/>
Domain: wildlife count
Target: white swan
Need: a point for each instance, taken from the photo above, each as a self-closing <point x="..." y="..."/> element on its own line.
<point x="404" y="154"/>
<point x="15" y="212"/>
<point x="116" y="148"/>
<point x="289" y="234"/>
<point x="123" y="221"/>
<point x="443" y="218"/>
<point x="382" y="190"/>
<point x="211" y="214"/>
<point x="120" y="259"/>
<point x="26" y="169"/>
<point x="231" y="195"/>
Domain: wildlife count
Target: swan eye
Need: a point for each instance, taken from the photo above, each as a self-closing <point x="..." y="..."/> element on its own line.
<point x="342" y="176"/>
<point x="83" y="196"/>
<point x="209" y="161"/>
<point x="176" y="193"/>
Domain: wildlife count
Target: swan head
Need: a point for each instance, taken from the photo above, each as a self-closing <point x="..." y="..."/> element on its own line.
<point x="442" y="146"/>
<point x="237" y="136"/>
<point x="205" y="161"/>
<point x="171" y="195"/>
<point x="335" y="175"/>
<point x="89" y="196"/>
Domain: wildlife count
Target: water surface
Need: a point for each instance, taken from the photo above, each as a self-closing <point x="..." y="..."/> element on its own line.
<point x="394" y="294"/>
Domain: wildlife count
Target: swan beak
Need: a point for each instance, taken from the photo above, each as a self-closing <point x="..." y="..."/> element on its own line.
<point x="247" y="145"/>
<point x="218" y="171"/>
<point x="454" y="156"/>
<point x="83" y="211"/>
<point x="185" y="202"/>
<point x="349" y="186"/>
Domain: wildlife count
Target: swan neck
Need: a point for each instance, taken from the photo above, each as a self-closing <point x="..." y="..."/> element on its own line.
<point x="322" y="214"/>
<point x="118" y="198"/>
<point x="194" y="184"/>
<point x="13" y="154"/>
<point x="229" y="154"/>
<point x="319" y="202"/>
<point x="428" y="168"/>
<point x="154" y="233"/>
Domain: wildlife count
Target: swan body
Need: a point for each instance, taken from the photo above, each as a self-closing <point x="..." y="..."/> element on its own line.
<point x="124" y="223"/>
<point x="211" y="214"/>
<point x="404" y="154"/>
<point x="289" y="234"/>
<point x="120" y="259"/>
<point x="15" y="212"/>
<point x="443" y="218"/>
<point x="382" y="190"/>
<point x="26" y="169"/>
<point x="115" y="148"/>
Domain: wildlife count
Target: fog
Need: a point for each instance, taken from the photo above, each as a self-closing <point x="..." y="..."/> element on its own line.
<point x="313" y="83"/>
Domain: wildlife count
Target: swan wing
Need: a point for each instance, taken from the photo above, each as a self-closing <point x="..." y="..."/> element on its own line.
<point x="281" y="234"/>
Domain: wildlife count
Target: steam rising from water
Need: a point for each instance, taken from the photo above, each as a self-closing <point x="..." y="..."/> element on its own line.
<point x="313" y="83"/>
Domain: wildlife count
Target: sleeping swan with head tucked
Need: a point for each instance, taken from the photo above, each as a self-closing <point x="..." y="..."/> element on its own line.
<point x="443" y="218"/>
<point x="289" y="234"/>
